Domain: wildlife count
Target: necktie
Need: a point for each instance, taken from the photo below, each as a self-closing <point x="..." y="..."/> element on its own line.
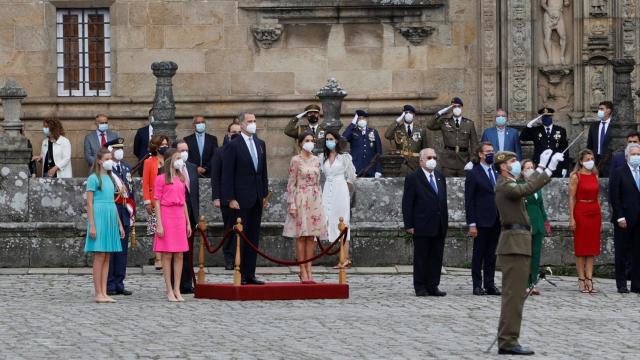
<point x="200" y="138"/>
<point x="548" y="131"/>
<point x="491" y="178"/>
<point x="433" y="183"/>
<point x="313" y="130"/>
<point x="636" y="175"/>
<point x="118" y="169"/>
<point x="602" y="134"/>
<point x="457" y="122"/>
<point x="254" y="156"/>
<point x="409" y="130"/>
<point x="103" y="139"/>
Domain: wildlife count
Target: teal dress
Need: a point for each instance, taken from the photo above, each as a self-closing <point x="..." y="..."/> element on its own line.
<point x="537" y="218"/>
<point x="105" y="216"/>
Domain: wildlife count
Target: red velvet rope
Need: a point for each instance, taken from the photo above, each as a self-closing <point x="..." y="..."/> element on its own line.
<point x="204" y="238"/>
<point x="329" y="253"/>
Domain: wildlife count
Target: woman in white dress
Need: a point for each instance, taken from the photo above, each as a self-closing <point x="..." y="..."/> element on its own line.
<point x="339" y="174"/>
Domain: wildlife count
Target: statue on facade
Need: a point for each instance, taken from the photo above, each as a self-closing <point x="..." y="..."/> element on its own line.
<point x="554" y="20"/>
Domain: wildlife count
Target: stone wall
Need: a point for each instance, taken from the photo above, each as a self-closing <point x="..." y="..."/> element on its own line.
<point x="52" y="228"/>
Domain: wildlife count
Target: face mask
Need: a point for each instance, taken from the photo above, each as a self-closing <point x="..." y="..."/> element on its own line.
<point x="118" y="154"/>
<point x="308" y="146"/>
<point x="107" y="165"/>
<point x="547" y="120"/>
<point x="601" y="114"/>
<point x="527" y="173"/>
<point x="431" y="164"/>
<point x="457" y="111"/>
<point x="501" y="120"/>
<point x="178" y="164"/>
<point x="103" y="127"/>
<point x="588" y="164"/>
<point x="45" y="131"/>
<point x="362" y="124"/>
<point x="162" y="150"/>
<point x="251" y="128"/>
<point x="312" y="119"/>
<point x="200" y="127"/>
<point x="515" y="169"/>
<point x="488" y="159"/>
<point x="151" y="119"/>
<point x="184" y="155"/>
<point x="331" y="144"/>
<point x="634" y="160"/>
<point x="408" y="118"/>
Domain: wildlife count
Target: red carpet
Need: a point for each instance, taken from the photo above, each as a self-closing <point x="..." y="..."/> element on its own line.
<point x="272" y="291"/>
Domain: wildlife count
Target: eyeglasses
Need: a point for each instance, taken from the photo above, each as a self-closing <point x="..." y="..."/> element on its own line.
<point x="431" y="158"/>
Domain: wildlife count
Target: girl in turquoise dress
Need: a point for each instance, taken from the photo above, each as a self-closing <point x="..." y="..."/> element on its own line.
<point x="103" y="236"/>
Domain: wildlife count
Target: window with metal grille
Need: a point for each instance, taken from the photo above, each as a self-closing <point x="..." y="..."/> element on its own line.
<point x="83" y="43"/>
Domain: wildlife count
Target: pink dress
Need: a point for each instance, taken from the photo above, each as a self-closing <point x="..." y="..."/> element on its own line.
<point x="174" y="223"/>
<point x="304" y="195"/>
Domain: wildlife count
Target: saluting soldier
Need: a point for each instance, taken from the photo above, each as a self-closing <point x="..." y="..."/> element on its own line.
<point x="459" y="137"/>
<point x="407" y="138"/>
<point x="366" y="147"/>
<point x="546" y="135"/>
<point x="514" y="244"/>
<point x="314" y="126"/>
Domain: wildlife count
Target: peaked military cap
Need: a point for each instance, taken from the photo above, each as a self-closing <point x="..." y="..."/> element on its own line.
<point x="503" y="156"/>
<point x="312" y="108"/>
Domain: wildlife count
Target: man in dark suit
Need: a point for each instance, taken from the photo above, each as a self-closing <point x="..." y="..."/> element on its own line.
<point x="126" y="206"/>
<point x="547" y="136"/>
<point x="193" y="207"/>
<point x="141" y="141"/>
<point x="502" y="137"/>
<point x="97" y="139"/>
<point x="365" y="146"/>
<point x="228" y="248"/>
<point x="483" y="220"/>
<point x="201" y="146"/>
<point x="624" y="194"/>
<point x="245" y="187"/>
<point x="425" y="215"/>
<point x="599" y="138"/>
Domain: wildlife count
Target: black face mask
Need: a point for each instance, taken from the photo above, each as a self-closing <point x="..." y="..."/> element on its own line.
<point x="312" y="119"/>
<point x="162" y="150"/>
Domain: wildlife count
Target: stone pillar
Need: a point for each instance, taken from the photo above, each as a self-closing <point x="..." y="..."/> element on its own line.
<point x="331" y="96"/>
<point x="164" y="105"/>
<point x="622" y="103"/>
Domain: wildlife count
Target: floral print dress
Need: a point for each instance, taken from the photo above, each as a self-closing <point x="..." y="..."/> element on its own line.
<point x="304" y="195"/>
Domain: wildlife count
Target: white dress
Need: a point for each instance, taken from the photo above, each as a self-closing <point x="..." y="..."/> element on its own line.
<point x="335" y="193"/>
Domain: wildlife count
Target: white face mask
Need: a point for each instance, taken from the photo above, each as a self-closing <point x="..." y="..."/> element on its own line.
<point x="408" y="117"/>
<point x="588" y="164"/>
<point x="431" y="164"/>
<point x="184" y="155"/>
<point x="457" y="111"/>
<point x="118" y="154"/>
<point x="151" y="119"/>
<point x="308" y="146"/>
<point x="601" y="114"/>
<point x="107" y="165"/>
<point x="362" y="123"/>
<point x="527" y="173"/>
<point x="251" y="128"/>
<point x="178" y="164"/>
<point x="103" y="127"/>
<point x="46" y="131"/>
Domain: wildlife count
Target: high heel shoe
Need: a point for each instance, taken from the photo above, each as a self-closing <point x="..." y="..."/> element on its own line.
<point x="590" y="288"/>
<point x="584" y="289"/>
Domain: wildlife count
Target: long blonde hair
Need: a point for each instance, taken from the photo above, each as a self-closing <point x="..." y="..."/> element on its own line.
<point x="579" y="166"/>
<point x="168" y="167"/>
<point x="95" y="168"/>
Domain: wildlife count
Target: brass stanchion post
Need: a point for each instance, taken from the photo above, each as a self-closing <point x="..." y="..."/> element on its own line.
<point x="201" y="278"/>
<point x="237" y="276"/>
<point x="342" y="274"/>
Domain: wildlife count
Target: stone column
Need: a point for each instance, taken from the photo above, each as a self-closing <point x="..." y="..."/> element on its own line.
<point x="164" y="105"/>
<point x="622" y="102"/>
<point x="331" y="96"/>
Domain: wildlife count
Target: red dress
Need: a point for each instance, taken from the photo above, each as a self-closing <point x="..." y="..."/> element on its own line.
<point x="587" y="215"/>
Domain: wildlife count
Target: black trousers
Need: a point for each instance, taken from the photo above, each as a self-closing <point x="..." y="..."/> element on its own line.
<point x="229" y="247"/>
<point x="187" y="280"/>
<point x="251" y="220"/>
<point x="118" y="264"/>
<point x="622" y="256"/>
<point x="427" y="262"/>
<point x="634" y="239"/>
<point x="483" y="260"/>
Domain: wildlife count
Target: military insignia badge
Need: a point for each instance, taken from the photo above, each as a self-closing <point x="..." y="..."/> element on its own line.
<point x="416" y="136"/>
<point x="557" y="135"/>
<point x="539" y="135"/>
<point x="129" y="177"/>
<point x="321" y="134"/>
<point x="372" y="136"/>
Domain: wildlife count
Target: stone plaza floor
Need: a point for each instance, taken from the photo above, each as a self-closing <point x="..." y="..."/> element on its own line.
<point x="51" y="316"/>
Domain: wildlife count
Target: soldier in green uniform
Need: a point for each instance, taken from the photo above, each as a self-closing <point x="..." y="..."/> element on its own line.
<point x="313" y="126"/>
<point x="459" y="137"/>
<point x="514" y="245"/>
<point x="407" y="138"/>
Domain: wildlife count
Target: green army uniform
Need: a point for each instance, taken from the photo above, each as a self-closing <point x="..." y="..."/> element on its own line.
<point x="514" y="250"/>
<point x="407" y="146"/>
<point x="459" y="143"/>
<point x="537" y="217"/>
<point x="294" y="129"/>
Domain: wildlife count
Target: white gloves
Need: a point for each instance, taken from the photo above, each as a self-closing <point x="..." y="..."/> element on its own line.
<point x="544" y="158"/>
<point x="444" y="110"/>
<point x="534" y="121"/>
<point x="469" y="166"/>
<point x="355" y="119"/>
<point x="555" y="160"/>
<point x="377" y="175"/>
<point x="400" y="118"/>
<point x="302" y="114"/>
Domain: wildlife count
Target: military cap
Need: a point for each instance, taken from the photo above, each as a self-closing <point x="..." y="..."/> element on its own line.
<point x="546" y="111"/>
<point x="457" y="100"/>
<point x="361" y="112"/>
<point x="501" y="157"/>
<point x="312" y="108"/>
<point x="409" y="108"/>
<point x="115" y="143"/>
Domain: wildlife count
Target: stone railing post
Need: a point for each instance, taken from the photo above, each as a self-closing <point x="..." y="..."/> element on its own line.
<point x="622" y="103"/>
<point x="164" y="105"/>
<point x="331" y="96"/>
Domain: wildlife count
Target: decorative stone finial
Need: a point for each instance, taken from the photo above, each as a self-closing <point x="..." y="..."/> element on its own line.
<point x="266" y="34"/>
<point x="164" y="68"/>
<point x="332" y="88"/>
<point x="11" y="90"/>
<point x="415" y="33"/>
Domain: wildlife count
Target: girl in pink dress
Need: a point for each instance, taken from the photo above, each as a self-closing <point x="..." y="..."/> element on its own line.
<point x="172" y="226"/>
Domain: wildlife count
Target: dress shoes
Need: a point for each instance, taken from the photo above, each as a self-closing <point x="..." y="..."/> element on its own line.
<point x="252" y="281"/>
<point x="516" y="350"/>
<point x="229" y="267"/>
<point x="421" y="292"/>
<point x="623" y="290"/>
<point x="112" y="292"/>
<point x="478" y="291"/>
<point x="124" y="292"/>
<point x="186" y="291"/>
<point x="637" y="291"/>
<point x="492" y="291"/>
<point x="436" y="292"/>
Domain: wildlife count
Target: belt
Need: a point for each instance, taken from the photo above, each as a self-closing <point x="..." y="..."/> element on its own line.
<point x="457" y="148"/>
<point x="516" y="227"/>
<point x="408" y="153"/>
<point x="587" y="201"/>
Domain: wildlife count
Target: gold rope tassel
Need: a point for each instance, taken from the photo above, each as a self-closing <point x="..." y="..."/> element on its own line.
<point x="132" y="238"/>
<point x="237" y="276"/>
<point x="342" y="274"/>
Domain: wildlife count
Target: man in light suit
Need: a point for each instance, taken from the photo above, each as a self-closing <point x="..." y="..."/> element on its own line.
<point x="141" y="141"/>
<point x="245" y="188"/>
<point x="502" y="137"/>
<point x="425" y="215"/>
<point x="599" y="138"/>
<point x="201" y="146"/>
<point x="94" y="140"/>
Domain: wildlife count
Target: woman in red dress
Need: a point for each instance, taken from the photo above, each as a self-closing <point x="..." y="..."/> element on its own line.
<point x="585" y="218"/>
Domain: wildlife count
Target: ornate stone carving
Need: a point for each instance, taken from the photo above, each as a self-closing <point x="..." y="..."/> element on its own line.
<point x="629" y="28"/>
<point x="598" y="8"/>
<point x="553" y="20"/>
<point x="164" y="105"/>
<point x="489" y="62"/>
<point x="623" y="102"/>
<point x="12" y="95"/>
<point x="519" y="58"/>
<point x="598" y="86"/>
<point x="555" y="73"/>
<point x="415" y="33"/>
<point x="266" y="34"/>
<point x="598" y="43"/>
<point x="14" y="150"/>
<point x="331" y="96"/>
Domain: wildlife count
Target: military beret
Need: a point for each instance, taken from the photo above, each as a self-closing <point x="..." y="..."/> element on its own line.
<point x="115" y="143"/>
<point x="546" y="111"/>
<point x="312" y="108"/>
<point x="457" y="100"/>
<point x="409" y="108"/>
<point x="360" y="112"/>
<point x="503" y="156"/>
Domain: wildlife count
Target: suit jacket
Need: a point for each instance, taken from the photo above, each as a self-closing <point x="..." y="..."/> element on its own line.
<point x="479" y="198"/>
<point x="125" y="175"/>
<point x="193" y="198"/>
<point x="557" y="142"/>
<point x="216" y="173"/>
<point x="364" y="148"/>
<point x="422" y="209"/>
<point x="141" y="142"/>
<point x="624" y="196"/>
<point x="61" y="156"/>
<point x="210" y="146"/>
<point x="149" y="179"/>
<point x="602" y="160"/>
<point x="617" y="160"/>
<point x="240" y="180"/>
<point x="511" y="140"/>
<point x="92" y="145"/>
<point x="535" y="210"/>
